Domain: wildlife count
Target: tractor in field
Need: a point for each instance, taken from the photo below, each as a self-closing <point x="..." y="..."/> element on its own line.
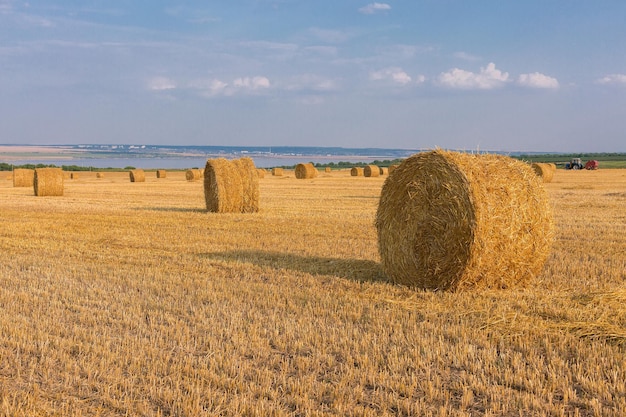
<point x="592" y="164"/>
<point x="575" y="163"/>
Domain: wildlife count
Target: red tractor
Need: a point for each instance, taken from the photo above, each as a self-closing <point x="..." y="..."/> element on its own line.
<point x="592" y="164"/>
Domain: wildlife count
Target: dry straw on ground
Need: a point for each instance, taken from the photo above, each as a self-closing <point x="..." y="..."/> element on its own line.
<point x="278" y="172"/>
<point x="193" y="174"/>
<point x="161" y="173"/>
<point x="371" y="171"/>
<point x="449" y="220"/>
<point x="137" y="175"/>
<point x="545" y="171"/>
<point x="306" y="171"/>
<point x="356" y="172"/>
<point x="48" y="182"/>
<point x="231" y="186"/>
<point x="23" y="177"/>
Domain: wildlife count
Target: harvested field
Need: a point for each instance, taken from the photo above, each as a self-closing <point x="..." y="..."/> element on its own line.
<point x="120" y="299"/>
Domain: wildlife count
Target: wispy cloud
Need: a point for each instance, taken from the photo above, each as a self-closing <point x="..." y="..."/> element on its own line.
<point x="161" y="84"/>
<point x="394" y="74"/>
<point x="239" y="86"/>
<point x="538" y="80"/>
<point x="374" y="8"/>
<point x="613" y="79"/>
<point x="488" y="78"/>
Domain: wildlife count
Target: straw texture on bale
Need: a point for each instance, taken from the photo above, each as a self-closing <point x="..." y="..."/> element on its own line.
<point x="73" y="176"/>
<point x="545" y="171"/>
<point x="99" y="175"/>
<point x="356" y="172"/>
<point x="161" y="173"/>
<point x="384" y="171"/>
<point x="137" y="175"/>
<point x="193" y="174"/>
<point x="261" y="172"/>
<point x="371" y="171"/>
<point x="306" y="171"/>
<point x="392" y="167"/>
<point x="23" y="177"/>
<point x="454" y="221"/>
<point x="327" y="169"/>
<point x="48" y="182"/>
<point x="278" y="172"/>
<point x="231" y="186"/>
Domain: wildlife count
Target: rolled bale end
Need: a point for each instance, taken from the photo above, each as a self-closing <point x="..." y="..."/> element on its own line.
<point x="371" y="171"/>
<point x="223" y="189"/>
<point x="48" y="182"/>
<point x="161" y="173"/>
<point x="193" y="174"/>
<point x="137" y="175"/>
<point x="456" y="221"/>
<point x="306" y="171"/>
<point x="544" y="171"/>
<point x="278" y="172"/>
<point x="356" y="171"/>
<point x="23" y="177"/>
<point x="384" y="171"/>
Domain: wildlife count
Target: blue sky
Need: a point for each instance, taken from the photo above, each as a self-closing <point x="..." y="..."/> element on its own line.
<point x="532" y="75"/>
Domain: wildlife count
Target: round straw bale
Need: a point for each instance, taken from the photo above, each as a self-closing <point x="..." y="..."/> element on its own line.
<point x="73" y="175"/>
<point x="449" y="220"/>
<point x="99" y="174"/>
<point x="277" y="172"/>
<point x="48" y="182"/>
<point x="137" y="175"/>
<point x="161" y="173"/>
<point x="193" y="174"/>
<point x="371" y="171"/>
<point x="223" y="189"/>
<point x="261" y="172"/>
<point x="356" y="172"/>
<point x="328" y="169"/>
<point x="306" y="171"/>
<point x="250" y="184"/>
<point x="384" y="171"/>
<point x="544" y="171"/>
<point x="23" y="177"/>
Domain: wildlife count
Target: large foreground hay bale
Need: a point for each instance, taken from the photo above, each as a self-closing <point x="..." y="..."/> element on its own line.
<point x="23" y="177"/>
<point x="545" y="171"/>
<point x="231" y="186"/>
<point x="48" y="182"/>
<point x="306" y="171"/>
<point x="193" y="174"/>
<point x="371" y="171"/>
<point x="137" y="175"/>
<point x="161" y="173"/>
<point x="449" y="220"/>
<point x="356" y="172"/>
<point x="278" y="172"/>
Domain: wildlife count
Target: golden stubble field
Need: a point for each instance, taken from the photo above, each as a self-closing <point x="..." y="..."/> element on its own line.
<point x="130" y="299"/>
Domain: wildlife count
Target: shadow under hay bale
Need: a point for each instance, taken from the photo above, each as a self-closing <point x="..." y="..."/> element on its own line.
<point x="231" y="186"/>
<point x="23" y="177"/>
<point x="449" y="220"/>
<point x="544" y="171"/>
<point x="48" y="182"/>
<point x="306" y="171"/>
<point x="137" y="175"/>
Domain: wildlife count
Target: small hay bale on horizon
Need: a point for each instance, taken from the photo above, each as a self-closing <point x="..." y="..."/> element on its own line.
<point x="278" y="172"/>
<point x="306" y="171"/>
<point x="99" y="174"/>
<point x="544" y="171"/>
<point x="327" y="169"/>
<point x="137" y="175"/>
<point x="74" y="175"/>
<point x="231" y="186"/>
<point x="48" y="182"/>
<point x="384" y="171"/>
<point x="356" y="172"/>
<point x="193" y="174"/>
<point x="371" y="171"/>
<point x="23" y="177"/>
<point x="161" y="173"/>
<point x="456" y="221"/>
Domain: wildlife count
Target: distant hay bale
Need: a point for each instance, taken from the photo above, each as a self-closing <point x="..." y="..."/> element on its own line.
<point x="261" y="172"/>
<point x="161" y="173"/>
<point x="371" y="171"/>
<point x="306" y="171"/>
<point x="544" y="171"/>
<point x="449" y="220"/>
<point x="23" y="177"/>
<point x="193" y="174"/>
<point x="48" y="182"/>
<point x="99" y="174"/>
<point x="384" y="171"/>
<point x="392" y="167"/>
<point x="356" y="172"/>
<point x="74" y="175"/>
<point x="278" y="172"/>
<point x="137" y="175"/>
<point x="231" y="186"/>
<point x="328" y="169"/>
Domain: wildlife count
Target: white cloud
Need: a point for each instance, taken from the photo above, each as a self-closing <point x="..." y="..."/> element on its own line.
<point x="161" y="83"/>
<point x="374" y="8"/>
<point x="615" y="79"/>
<point x="254" y="83"/>
<point x="538" y="80"/>
<point x="210" y="87"/>
<point x="397" y="75"/>
<point x="488" y="78"/>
